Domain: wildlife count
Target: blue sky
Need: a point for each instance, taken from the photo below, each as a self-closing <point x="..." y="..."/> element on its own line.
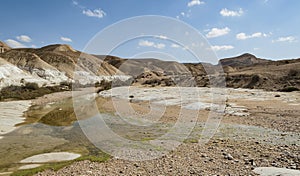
<point x="267" y="28"/>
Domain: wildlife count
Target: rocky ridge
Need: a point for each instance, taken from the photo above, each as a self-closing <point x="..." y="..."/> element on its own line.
<point x="54" y="64"/>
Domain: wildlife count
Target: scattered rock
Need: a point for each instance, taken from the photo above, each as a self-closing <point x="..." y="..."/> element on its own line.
<point x="228" y="156"/>
<point x="268" y="171"/>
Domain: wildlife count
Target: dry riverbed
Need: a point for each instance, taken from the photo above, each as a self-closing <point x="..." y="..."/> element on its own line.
<point x="259" y="134"/>
<point x="258" y="130"/>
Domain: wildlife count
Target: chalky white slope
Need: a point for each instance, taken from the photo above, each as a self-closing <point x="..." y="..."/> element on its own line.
<point x="12" y="75"/>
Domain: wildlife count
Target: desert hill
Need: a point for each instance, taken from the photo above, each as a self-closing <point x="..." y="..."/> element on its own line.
<point x="244" y="71"/>
<point x="242" y="61"/>
<point x="272" y="75"/>
<point x="54" y="64"/>
<point x="12" y="75"/>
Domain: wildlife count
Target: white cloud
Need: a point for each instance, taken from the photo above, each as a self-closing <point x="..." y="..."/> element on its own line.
<point x="65" y="39"/>
<point x="215" y="32"/>
<point x="161" y="37"/>
<point x="75" y="3"/>
<point x="160" y="46"/>
<point x="147" y="43"/>
<point x="98" y="13"/>
<point x="175" y="45"/>
<point x="14" y="44"/>
<point x="185" y="47"/>
<point x="195" y="2"/>
<point x="187" y="14"/>
<point x="222" y="47"/>
<point x="243" y="36"/>
<point x="226" y="13"/>
<point x="24" y="38"/>
<point x="285" y="39"/>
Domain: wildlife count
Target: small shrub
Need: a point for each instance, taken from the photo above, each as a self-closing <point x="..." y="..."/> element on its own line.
<point x="97" y="84"/>
<point x="169" y="82"/>
<point x="22" y="81"/>
<point x="289" y="89"/>
<point x="190" y="140"/>
<point x="254" y="80"/>
<point x="27" y="92"/>
<point x="152" y="82"/>
<point x="31" y="86"/>
<point x="65" y="83"/>
<point x="105" y="84"/>
<point x="293" y="73"/>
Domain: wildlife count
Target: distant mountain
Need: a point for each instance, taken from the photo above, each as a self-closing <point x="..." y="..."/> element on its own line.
<point x="54" y="64"/>
<point x="242" y="61"/>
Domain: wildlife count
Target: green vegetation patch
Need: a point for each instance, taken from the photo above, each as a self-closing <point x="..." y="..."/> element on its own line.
<point x="191" y="140"/>
<point x="27" y="92"/>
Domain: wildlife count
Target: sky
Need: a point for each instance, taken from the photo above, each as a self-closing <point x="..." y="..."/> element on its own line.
<point x="266" y="28"/>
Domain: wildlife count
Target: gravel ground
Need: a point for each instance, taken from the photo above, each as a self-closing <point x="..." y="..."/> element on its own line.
<point x="219" y="157"/>
<point x="224" y="154"/>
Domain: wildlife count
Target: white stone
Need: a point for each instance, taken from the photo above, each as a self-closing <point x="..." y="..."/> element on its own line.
<point x="51" y="157"/>
<point x="29" y="166"/>
<point x="271" y="171"/>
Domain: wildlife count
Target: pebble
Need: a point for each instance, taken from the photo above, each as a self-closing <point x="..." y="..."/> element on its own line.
<point x="228" y="156"/>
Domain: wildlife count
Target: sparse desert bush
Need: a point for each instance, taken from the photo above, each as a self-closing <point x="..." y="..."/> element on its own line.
<point x="106" y="85"/>
<point x="293" y="73"/>
<point x="254" y="80"/>
<point x="66" y="83"/>
<point x="169" y="82"/>
<point x="152" y="82"/>
<point x="31" y="86"/>
<point x="289" y="89"/>
<point x="27" y="92"/>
